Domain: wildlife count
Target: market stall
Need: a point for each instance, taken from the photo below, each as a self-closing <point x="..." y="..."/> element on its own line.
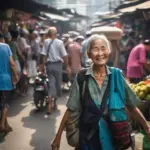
<point x="142" y="90"/>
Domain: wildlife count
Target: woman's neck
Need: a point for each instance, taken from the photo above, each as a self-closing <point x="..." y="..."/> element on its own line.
<point x="99" y="69"/>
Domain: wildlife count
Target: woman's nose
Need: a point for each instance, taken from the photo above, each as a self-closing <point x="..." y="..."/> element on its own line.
<point x="100" y="52"/>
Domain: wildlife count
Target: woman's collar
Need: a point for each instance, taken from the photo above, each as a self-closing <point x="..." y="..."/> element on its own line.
<point x="90" y="70"/>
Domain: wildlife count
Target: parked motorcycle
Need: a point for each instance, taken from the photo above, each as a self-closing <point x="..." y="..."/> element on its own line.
<point x="41" y="90"/>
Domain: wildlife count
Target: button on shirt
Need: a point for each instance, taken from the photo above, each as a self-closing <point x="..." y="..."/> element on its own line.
<point x="56" y="50"/>
<point x="136" y="61"/>
<point x="5" y="72"/>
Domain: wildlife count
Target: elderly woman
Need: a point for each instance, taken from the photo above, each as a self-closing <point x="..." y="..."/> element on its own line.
<point x="103" y="92"/>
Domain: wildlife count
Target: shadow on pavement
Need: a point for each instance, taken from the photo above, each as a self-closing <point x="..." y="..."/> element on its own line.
<point x="17" y="103"/>
<point x="2" y="137"/>
<point x="44" y="129"/>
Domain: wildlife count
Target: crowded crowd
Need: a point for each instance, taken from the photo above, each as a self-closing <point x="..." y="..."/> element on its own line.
<point x="30" y="51"/>
<point x="25" y="52"/>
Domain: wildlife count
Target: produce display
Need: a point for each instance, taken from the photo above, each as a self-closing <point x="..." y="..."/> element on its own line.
<point x="142" y="89"/>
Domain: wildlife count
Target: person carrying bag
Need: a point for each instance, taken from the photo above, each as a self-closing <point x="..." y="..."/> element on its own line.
<point x="97" y="103"/>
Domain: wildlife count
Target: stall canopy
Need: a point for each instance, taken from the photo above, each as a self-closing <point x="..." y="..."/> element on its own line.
<point x="143" y="6"/>
<point x="28" y="6"/>
<point x="73" y="14"/>
<point x="112" y="16"/>
<point x="54" y="16"/>
<point x="129" y="3"/>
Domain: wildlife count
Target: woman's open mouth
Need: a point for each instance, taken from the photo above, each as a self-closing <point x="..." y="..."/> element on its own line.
<point x="100" y="58"/>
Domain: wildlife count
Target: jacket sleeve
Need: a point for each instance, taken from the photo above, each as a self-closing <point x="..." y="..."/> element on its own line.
<point x="130" y="96"/>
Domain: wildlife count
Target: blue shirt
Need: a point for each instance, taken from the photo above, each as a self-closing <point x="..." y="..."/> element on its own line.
<point x="5" y="71"/>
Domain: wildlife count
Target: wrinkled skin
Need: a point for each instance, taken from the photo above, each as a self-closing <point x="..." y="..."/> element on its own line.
<point x="99" y="52"/>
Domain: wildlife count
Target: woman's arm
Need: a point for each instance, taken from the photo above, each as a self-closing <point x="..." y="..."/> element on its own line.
<point x="74" y="105"/>
<point x="63" y="122"/>
<point x="56" y="142"/>
<point x="138" y="116"/>
<point x="131" y="101"/>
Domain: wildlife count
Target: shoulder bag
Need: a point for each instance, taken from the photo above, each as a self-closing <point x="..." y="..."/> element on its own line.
<point x="120" y="129"/>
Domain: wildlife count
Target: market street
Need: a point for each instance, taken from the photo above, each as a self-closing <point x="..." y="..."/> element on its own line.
<point x="31" y="130"/>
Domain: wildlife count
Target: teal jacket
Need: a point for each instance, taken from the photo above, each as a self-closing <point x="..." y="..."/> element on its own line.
<point x="116" y="109"/>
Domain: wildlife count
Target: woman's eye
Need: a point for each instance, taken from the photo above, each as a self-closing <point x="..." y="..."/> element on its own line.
<point x="103" y="48"/>
<point x="95" y="49"/>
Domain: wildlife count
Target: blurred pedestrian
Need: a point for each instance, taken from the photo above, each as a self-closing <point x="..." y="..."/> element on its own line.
<point x="84" y="49"/>
<point x="33" y="56"/>
<point x="35" y="45"/>
<point x="6" y="33"/>
<point x="74" y="52"/>
<point x="53" y="55"/>
<point x="7" y="70"/>
<point x="16" y="53"/>
<point x="42" y="34"/>
<point x="67" y="41"/>
<point x="23" y="46"/>
<point x="137" y="61"/>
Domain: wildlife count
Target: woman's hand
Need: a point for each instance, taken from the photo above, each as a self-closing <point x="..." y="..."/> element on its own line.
<point x="147" y="130"/>
<point x="56" y="143"/>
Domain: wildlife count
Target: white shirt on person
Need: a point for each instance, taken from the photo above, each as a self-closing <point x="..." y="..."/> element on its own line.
<point x="35" y="46"/>
<point x="22" y="43"/>
<point x="56" y="50"/>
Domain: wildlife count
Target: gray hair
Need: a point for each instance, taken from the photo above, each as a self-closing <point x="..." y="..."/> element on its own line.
<point x="95" y="37"/>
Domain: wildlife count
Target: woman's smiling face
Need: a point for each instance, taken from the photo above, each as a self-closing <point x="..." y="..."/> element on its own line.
<point x="99" y="52"/>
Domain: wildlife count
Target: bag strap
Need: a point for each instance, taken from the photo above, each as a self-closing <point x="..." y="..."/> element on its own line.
<point x="82" y="79"/>
<point x="49" y="47"/>
<point x="102" y="109"/>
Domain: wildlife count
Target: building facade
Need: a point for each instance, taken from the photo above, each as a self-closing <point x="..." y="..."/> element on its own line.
<point x="84" y="7"/>
<point x="101" y="6"/>
<point x="79" y="5"/>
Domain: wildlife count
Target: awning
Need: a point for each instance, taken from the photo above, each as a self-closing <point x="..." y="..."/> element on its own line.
<point x="145" y="5"/>
<point x="55" y="16"/>
<point x="112" y="16"/>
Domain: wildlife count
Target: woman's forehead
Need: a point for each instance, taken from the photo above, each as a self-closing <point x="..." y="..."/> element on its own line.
<point x="100" y="42"/>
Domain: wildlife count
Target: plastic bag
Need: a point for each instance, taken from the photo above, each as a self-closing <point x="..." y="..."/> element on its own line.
<point x="146" y="142"/>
